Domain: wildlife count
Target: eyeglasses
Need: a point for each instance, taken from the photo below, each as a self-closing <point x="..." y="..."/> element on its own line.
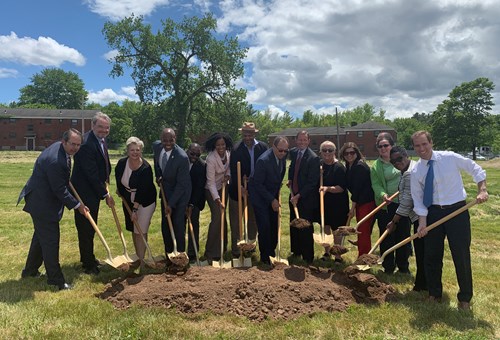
<point x="194" y="154"/>
<point x="282" y="150"/>
<point x="349" y="153"/>
<point x="380" y="146"/>
<point x="328" y="150"/>
<point x="397" y="160"/>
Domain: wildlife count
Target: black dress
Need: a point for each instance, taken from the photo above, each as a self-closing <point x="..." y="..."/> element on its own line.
<point x="336" y="204"/>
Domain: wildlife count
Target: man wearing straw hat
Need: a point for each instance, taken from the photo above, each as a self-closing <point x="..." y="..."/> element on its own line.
<point x="246" y="151"/>
<point x="437" y="190"/>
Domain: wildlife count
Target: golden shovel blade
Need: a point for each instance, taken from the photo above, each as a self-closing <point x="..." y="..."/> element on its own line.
<point x="324" y="241"/>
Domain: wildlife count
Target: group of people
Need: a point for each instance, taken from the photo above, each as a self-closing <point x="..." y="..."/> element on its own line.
<point x="411" y="192"/>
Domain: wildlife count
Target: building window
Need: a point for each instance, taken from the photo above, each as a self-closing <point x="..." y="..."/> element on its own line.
<point x="361" y="147"/>
<point x="360" y="134"/>
<point x="12" y="120"/>
<point x="48" y="121"/>
<point x="376" y="132"/>
<point x="12" y="135"/>
<point x="48" y="135"/>
<point x="29" y="127"/>
<point x="74" y="122"/>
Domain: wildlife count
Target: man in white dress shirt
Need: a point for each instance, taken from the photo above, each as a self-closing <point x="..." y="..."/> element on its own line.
<point x="447" y="195"/>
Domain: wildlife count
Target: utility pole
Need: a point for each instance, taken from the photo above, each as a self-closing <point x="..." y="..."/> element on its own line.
<point x="338" y="133"/>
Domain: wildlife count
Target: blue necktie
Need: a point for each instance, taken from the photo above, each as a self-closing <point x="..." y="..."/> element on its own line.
<point x="164" y="162"/>
<point x="429" y="184"/>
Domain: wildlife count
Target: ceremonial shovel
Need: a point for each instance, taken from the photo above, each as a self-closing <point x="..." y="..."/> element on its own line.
<point x="347" y="230"/>
<point x="151" y="261"/>
<point x="179" y="259"/>
<point x="321" y="238"/>
<point x="414" y="236"/>
<point x="244" y="244"/>
<point x="198" y="262"/>
<point x="222" y="264"/>
<point x="119" y="262"/>
<point x="130" y="258"/>
<point x="278" y="258"/>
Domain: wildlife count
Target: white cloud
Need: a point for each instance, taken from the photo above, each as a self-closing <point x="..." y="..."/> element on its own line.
<point x="117" y="10"/>
<point x="107" y="96"/>
<point x="111" y="55"/>
<point x="401" y="56"/>
<point x="43" y="51"/>
<point x="8" y="73"/>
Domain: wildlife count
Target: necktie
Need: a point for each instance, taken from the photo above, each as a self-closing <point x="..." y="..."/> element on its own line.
<point x="164" y="161"/>
<point x="106" y="158"/>
<point x="295" y="184"/>
<point x="69" y="163"/>
<point x="429" y="184"/>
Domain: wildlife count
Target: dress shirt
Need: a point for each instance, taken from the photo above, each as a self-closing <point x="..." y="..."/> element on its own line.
<point x="448" y="184"/>
<point x="252" y="157"/>
<point x="216" y="172"/>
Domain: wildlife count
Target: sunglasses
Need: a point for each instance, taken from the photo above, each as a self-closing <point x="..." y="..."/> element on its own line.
<point x="328" y="150"/>
<point x="380" y="146"/>
<point x="349" y="153"/>
<point x="194" y="154"/>
<point x="397" y="160"/>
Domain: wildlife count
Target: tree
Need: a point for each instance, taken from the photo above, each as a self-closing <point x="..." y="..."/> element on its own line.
<point x="174" y="67"/>
<point x="56" y="88"/>
<point x="406" y="127"/>
<point x="458" y="121"/>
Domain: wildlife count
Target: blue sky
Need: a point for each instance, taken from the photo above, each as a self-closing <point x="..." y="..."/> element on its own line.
<point x="402" y="56"/>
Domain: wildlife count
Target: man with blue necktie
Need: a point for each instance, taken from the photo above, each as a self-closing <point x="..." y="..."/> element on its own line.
<point x="437" y="190"/>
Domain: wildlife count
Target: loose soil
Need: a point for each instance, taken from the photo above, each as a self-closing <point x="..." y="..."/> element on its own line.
<point x="282" y="292"/>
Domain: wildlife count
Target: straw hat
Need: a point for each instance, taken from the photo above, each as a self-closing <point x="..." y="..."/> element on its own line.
<point x="248" y="126"/>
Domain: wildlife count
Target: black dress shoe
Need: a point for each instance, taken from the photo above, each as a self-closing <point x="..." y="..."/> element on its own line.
<point x="92" y="271"/>
<point x="65" y="286"/>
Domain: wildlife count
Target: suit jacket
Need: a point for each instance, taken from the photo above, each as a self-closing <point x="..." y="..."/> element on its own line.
<point x="90" y="171"/>
<point x="140" y="179"/>
<point x="198" y="176"/>
<point x="308" y="181"/>
<point x="240" y="154"/>
<point x="176" y="180"/>
<point x="46" y="192"/>
<point x="266" y="182"/>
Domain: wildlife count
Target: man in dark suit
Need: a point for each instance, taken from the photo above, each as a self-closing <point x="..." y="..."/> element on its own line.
<point x="89" y="177"/>
<point x="246" y="151"/>
<point x="46" y="194"/>
<point x="303" y="181"/>
<point x="264" y="189"/>
<point x="172" y="172"/>
<point x="198" y="174"/>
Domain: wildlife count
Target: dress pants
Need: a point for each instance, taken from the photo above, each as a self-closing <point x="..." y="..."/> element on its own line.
<point x="212" y="248"/>
<point x="235" y="227"/>
<point x="178" y="216"/>
<point x="458" y="232"/>
<point x="267" y="224"/>
<point x="364" y="239"/>
<point x="301" y="240"/>
<point x="195" y="220"/>
<point x="86" y="233"/>
<point x="45" y="248"/>
<point x="402" y="231"/>
<point x="418" y="245"/>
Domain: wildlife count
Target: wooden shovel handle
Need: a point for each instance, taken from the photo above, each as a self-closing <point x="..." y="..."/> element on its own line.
<point x="383" y="204"/>
<point x="118" y="225"/>
<point x="429" y="228"/>
<point x="125" y="203"/>
<point x="381" y="238"/>
<point x="92" y="222"/>
<point x="240" y="203"/>
<point x="169" y="218"/>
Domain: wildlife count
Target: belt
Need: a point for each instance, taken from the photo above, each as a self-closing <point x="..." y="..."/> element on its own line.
<point x="454" y="205"/>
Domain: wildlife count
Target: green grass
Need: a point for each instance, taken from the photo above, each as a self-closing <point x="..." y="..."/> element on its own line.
<point x="30" y="309"/>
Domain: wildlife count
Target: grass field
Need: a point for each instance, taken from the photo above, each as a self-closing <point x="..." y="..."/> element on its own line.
<point x="29" y="309"/>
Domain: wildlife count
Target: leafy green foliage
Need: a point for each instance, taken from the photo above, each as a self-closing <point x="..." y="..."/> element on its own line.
<point x="54" y="87"/>
<point x="458" y="121"/>
<point x="178" y="64"/>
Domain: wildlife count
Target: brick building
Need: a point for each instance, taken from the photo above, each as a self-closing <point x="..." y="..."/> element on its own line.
<point x="364" y="135"/>
<point x="35" y="129"/>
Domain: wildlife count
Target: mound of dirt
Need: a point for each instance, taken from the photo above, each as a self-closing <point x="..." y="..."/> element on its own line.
<point x="280" y="293"/>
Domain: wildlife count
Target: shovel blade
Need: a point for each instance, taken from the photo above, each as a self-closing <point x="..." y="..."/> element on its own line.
<point x="221" y="265"/>
<point x="323" y="241"/>
<point x="242" y="262"/>
<point x="131" y="258"/>
<point x="363" y="267"/>
<point x="277" y="259"/>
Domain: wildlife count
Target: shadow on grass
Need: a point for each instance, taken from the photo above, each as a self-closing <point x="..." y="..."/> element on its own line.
<point x="427" y="314"/>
